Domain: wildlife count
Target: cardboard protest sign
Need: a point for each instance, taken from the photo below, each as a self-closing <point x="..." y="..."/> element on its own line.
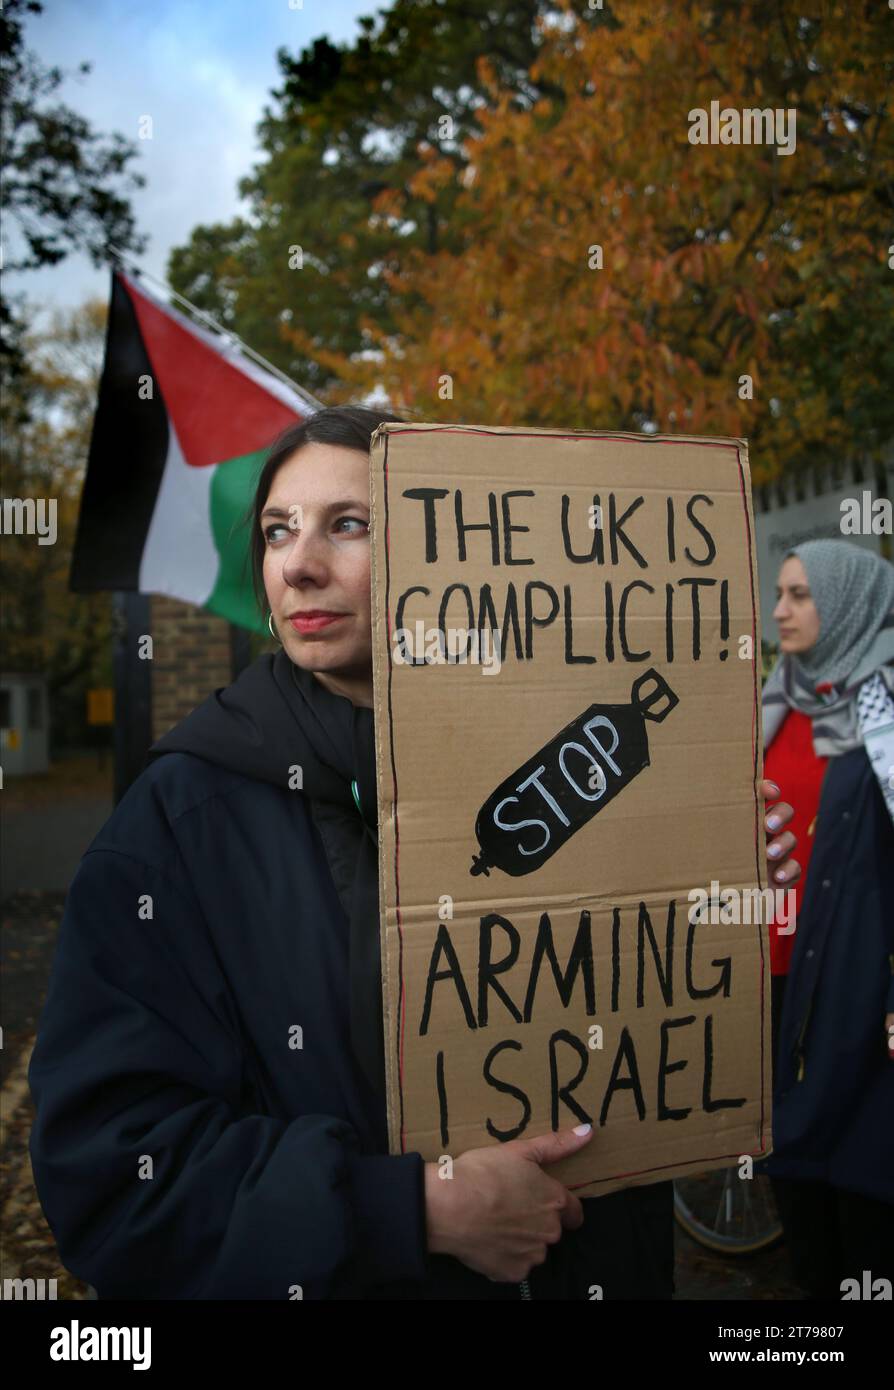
<point x="566" y="676"/>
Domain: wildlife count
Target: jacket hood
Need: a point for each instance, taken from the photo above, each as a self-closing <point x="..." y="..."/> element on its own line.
<point x="276" y="717"/>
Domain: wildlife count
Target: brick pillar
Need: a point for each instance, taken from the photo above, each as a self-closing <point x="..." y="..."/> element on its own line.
<point x="191" y="657"/>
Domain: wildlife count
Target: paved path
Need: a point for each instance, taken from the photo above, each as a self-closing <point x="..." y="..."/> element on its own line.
<point x="42" y="845"/>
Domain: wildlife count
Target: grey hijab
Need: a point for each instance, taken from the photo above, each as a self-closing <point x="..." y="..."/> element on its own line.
<point x="853" y="590"/>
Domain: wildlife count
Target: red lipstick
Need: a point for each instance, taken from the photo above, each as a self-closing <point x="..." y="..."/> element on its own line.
<point x="314" y="619"/>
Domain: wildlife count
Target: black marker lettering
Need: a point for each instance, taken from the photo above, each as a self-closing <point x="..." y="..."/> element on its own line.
<point x="709" y="1105"/>
<point x="626" y="1052"/>
<point x="488" y="969"/>
<point x="506" y="1134"/>
<point x="428" y="496"/>
<point x="571" y="658"/>
<point x="616" y="530"/>
<point x="712" y="549"/>
<point x="597" y="551"/>
<point x="442" y="1100"/>
<point x="492" y="525"/>
<point x="726" y="968"/>
<point x="622" y="621"/>
<point x="508" y="528"/>
<point x="664" y="1113"/>
<point x="669" y="621"/>
<point x="530" y="620"/>
<point x="444" y="945"/>
<point x="666" y="972"/>
<point x="580" y="960"/>
<point x="563" y="1093"/>
<point x="696" y="614"/>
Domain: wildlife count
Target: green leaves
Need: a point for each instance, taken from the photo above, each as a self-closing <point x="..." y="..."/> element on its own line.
<point x="63" y="186"/>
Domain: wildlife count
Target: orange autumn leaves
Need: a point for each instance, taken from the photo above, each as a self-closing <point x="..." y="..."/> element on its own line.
<point x="613" y="275"/>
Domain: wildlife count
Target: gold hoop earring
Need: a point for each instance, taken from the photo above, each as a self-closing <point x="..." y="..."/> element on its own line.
<point x="273" y="632"/>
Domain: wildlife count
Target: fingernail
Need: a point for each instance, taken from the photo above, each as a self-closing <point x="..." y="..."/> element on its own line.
<point x="774" y="851"/>
<point x="781" y="874"/>
<point x="774" y="786"/>
<point x="582" y="1129"/>
<point x="773" y="822"/>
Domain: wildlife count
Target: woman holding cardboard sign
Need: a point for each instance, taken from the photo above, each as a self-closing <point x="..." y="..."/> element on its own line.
<point x="209" y="1071"/>
<point x="829" y="730"/>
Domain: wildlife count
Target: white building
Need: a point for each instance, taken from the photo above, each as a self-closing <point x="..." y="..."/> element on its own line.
<point x="24" y="724"/>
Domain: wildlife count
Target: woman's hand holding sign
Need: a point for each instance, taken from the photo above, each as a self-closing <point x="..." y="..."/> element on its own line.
<point x="499" y="1211"/>
<point x="781" y="870"/>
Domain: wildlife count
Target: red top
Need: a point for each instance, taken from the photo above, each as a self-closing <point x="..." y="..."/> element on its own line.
<point x="791" y="763"/>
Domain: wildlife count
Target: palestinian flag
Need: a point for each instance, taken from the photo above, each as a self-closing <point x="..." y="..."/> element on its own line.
<point x="182" y="426"/>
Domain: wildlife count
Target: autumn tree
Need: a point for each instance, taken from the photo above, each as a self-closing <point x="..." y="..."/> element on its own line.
<point x="610" y="273"/>
<point x="48" y="411"/>
<point x="63" y="187"/>
<point x="348" y="125"/>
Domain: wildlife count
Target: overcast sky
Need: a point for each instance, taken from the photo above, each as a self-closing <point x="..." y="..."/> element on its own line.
<point x="203" y="70"/>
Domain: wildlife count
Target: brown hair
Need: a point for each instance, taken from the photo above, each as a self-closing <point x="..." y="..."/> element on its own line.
<point x="350" y="426"/>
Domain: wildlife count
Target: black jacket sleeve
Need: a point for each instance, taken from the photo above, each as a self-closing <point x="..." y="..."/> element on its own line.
<point x="156" y="1178"/>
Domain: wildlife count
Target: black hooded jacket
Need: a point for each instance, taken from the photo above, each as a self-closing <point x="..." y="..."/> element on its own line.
<point x="208" y="1075"/>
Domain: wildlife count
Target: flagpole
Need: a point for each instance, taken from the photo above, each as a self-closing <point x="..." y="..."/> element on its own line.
<point x="250" y="352"/>
<point x="132" y="684"/>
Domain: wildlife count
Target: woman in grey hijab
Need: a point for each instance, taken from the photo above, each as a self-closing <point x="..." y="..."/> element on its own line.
<point x="828" y="710"/>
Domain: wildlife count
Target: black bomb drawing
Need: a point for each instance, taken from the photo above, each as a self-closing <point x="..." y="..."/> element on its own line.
<point x="537" y="809"/>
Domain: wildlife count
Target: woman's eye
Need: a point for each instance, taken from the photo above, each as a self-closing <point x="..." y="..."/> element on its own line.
<point x="271" y="537"/>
